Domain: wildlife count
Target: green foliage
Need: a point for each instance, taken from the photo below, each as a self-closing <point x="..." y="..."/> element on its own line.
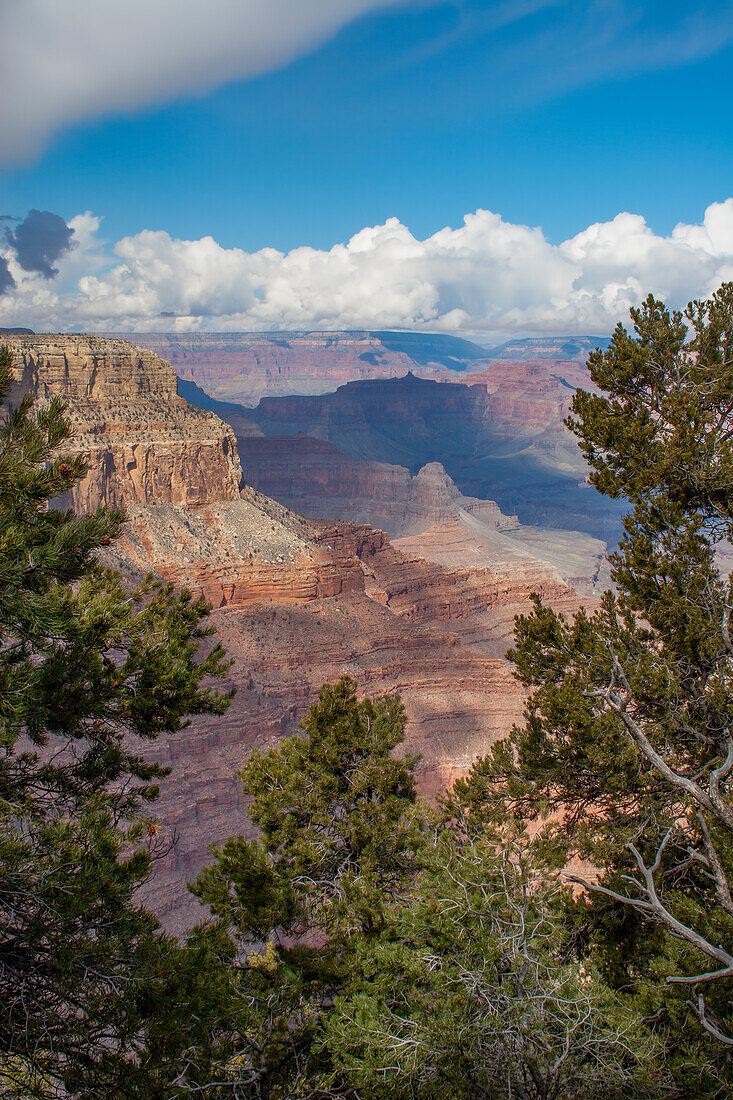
<point x="380" y="955"/>
<point x="466" y="996"/>
<point x="628" y="729"/>
<point x="89" y="987"/>
<point x="660" y="427"/>
<point x="341" y="836"/>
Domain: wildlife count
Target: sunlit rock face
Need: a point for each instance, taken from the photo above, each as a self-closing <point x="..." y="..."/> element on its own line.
<point x="295" y="601"/>
<point x="143" y="443"/>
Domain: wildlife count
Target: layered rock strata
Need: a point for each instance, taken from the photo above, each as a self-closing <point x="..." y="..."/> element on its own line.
<point x="246" y="366"/>
<point x="579" y="560"/>
<point x="143" y="443"/>
<point x="559" y="348"/>
<point x="500" y="436"/>
<point x="295" y="602"/>
<point x="425" y="514"/>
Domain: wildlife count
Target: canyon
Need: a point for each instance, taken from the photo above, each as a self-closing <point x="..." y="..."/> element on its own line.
<point x="424" y="514"/>
<point x="492" y="417"/>
<point x="499" y="434"/>
<point x="296" y="601"/>
<point x="242" y="367"/>
<point x="480" y="471"/>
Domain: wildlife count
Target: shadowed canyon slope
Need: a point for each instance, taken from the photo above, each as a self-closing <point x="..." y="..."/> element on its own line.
<point x="424" y="514"/>
<point x="296" y="602"/>
<point x="409" y="454"/>
<point x="499" y="435"/>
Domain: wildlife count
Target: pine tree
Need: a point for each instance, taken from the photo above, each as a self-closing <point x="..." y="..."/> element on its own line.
<point x="466" y="995"/>
<point x="90" y="990"/>
<point x="341" y="836"/>
<point x="629" y="725"/>
<point x="382" y="955"/>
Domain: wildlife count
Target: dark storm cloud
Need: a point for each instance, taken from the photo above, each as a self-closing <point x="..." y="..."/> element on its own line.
<point x="7" y="282"/>
<point x="39" y="240"/>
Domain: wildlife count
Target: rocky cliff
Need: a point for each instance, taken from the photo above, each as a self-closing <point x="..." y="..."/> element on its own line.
<point x="565" y="348"/>
<point x="424" y="514"/>
<point x="296" y="602"/>
<point x="246" y="366"/>
<point x="507" y="407"/>
<point x="313" y="477"/>
<point x="499" y="435"/>
<point x="143" y="443"/>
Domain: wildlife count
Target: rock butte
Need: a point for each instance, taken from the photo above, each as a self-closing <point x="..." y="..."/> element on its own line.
<point x="296" y="602"/>
<point x="499" y="435"/>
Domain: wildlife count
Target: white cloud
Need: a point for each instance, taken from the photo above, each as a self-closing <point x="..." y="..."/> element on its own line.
<point x="63" y="61"/>
<point x="486" y="276"/>
<point x="67" y="61"/>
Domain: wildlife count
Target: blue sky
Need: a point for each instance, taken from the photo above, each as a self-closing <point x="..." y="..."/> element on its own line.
<point x="550" y="113"/>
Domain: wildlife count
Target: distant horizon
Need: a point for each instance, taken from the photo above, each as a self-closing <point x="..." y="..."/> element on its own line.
<point x="427" y="333"/>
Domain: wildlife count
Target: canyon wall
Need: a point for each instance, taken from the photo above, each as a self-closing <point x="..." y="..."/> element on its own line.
<point x="507" y="406"/>
<point x="245" y="366"/>
<point x="312" y="477"/>
<point x="425" y="515"/>
<point x="499" y="435"/>
<point x="295" y="602"/>
<point x="142" y="442"/>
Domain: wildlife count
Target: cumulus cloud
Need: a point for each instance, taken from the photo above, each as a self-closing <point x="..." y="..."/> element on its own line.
<point x="63" y="61"/>
<point x="485" y="276"/>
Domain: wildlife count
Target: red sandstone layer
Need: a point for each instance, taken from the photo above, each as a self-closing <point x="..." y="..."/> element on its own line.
<point x="296" y="603"/>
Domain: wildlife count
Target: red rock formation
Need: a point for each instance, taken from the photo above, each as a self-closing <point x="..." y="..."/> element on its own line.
<point x="578" y="560"/>
<point x="575" y="349"/>
<point x="232" y="553"/>
<point x="143" y="443"/>
<point x="499" y="415"/>
<point x="457" y="701"/>
<point x="245" y="366"/>
<point x="530" y="395"/>
<point x="421" y="591"/>
<point x="296" y="603"/>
